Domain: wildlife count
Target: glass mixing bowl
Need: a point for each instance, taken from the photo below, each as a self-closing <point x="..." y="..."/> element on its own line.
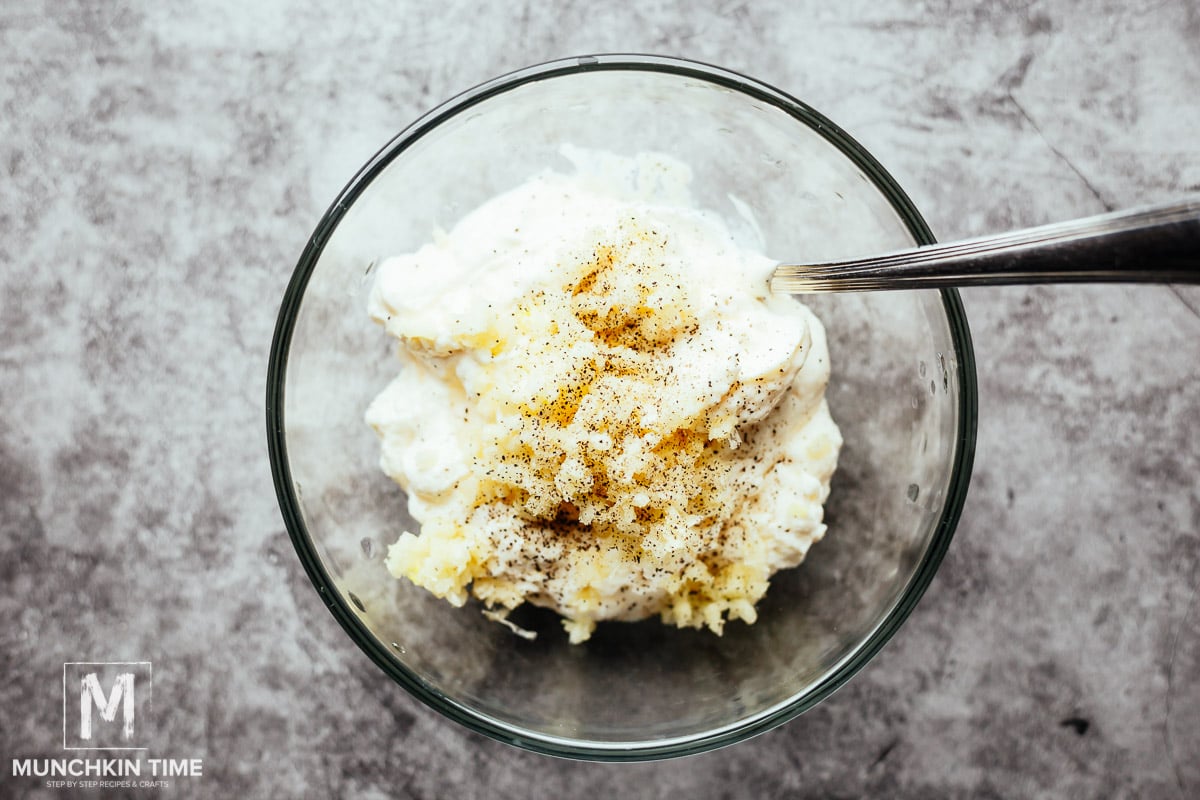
<point x="902" y="390"/>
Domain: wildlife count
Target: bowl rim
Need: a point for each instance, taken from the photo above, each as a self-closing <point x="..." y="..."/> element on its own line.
<point x="636" y="750"/>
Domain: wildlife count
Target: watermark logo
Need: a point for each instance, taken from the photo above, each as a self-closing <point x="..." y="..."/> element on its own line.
<point x="106" y="705"/>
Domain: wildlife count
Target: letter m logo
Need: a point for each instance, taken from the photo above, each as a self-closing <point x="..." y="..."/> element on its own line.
<point x="105" y="705"/>
<point x="91" y="695"/>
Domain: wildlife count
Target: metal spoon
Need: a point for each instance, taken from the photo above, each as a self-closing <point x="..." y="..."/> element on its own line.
<point x="1155" y="244"/>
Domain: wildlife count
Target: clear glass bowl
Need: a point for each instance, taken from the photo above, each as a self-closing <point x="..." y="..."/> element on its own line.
<point x="902" y="390"/>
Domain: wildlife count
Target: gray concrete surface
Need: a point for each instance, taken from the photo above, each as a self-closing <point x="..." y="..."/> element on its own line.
<point x="161" y="165"/>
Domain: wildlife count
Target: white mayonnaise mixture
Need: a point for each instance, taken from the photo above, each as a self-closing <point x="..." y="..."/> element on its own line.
<point x="601" y="408"/>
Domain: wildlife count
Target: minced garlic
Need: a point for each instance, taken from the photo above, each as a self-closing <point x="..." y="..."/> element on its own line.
<point x="602" y="409"/>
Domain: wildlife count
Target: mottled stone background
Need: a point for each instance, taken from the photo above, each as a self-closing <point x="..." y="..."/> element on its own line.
<point x="161" y="165"/>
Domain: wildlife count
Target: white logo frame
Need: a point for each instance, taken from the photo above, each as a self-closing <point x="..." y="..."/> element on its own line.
<point x="148" y="688"/>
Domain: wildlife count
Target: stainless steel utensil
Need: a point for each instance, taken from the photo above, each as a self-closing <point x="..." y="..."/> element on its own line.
<point x="1156" y="244"/>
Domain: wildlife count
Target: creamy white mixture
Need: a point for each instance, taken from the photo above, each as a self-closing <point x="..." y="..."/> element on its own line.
<point x="601" y="408"/>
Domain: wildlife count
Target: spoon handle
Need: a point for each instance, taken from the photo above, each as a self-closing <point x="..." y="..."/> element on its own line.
<point x="1156" y="244"/>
